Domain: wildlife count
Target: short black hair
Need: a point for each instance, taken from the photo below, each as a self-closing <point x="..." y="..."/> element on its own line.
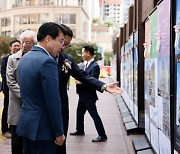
<point x="89" y="48"/>
<point x="50" y="28"/>
<point x="69" y="32"/>
<point x="13" y="41"/>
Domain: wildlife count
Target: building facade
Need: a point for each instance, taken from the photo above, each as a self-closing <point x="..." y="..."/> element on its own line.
<point x="110" y="10"/>
<point x="17" y="16"/>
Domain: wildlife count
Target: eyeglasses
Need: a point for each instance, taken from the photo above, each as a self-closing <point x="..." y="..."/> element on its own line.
<point x="67" y="44"/>
<point x="62" y="42"/>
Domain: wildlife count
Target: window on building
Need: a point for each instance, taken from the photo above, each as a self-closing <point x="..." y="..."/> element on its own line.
<point x="68" y="19"/>
<point x="5" y="22"/>
<point x="65" y="18"/>
<point x="6" y="33"/>
<point x="17" y="3"/>
<point x="58" y="18"/>
<point x="72" y="19"/>
<point x="43" y="17"/>
<point x="29" y="2"/>
<point x="80" y="2"/>
<point x="33" y="18"/>
<point x="24" y="19"/>
<point x="46" y="2"/>
<point x="17" y="19"/>
<point x="18" y="32"/>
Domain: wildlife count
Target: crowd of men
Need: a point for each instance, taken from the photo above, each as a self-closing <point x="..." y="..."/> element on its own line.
<point x="34" y="81"/>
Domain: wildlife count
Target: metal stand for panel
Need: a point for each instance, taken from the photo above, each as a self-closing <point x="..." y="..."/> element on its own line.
<point x="142" y="146"/>
<point x="128" y="120"/>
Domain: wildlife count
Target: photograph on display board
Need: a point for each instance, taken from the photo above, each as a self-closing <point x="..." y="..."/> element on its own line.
<point x="131" y="74"/>
<point x="163" y="97"/>
<point x="164" y="144"/>
<point x="122" y="69"/>
<point x="177" y="51"/>
<point x="147" y="65"/>
<point x="147" y="41"/>
<point x="129" y="49"/>
<point x="166" y="117"/>
<point x="114" y="67"/>
<point x="135" y="75"/>
<point x="152" y="34"/>
<point x="163" y="77"/>
<point x="149" y="84"/>
<point x="164" y="28"/>
<point x="177" y="28"/>
<point x="153" y="103"/>
<point x="135" y="59"/>
<point x="153" y="81"/>
<point x="154" y="135"/>
<point x="177" y="126"/>
<point x="127" y="72"/>
<point x="150" y="74"/>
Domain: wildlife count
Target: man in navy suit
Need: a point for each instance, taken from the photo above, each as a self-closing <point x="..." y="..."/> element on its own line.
<point x="40" y="123"/>
<point x="88" y="98"/>
<point x="66" y="67"/>
<point x="14" y="47"/>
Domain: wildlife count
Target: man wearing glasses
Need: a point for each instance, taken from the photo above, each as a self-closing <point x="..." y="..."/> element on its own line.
<point x="66" y="67"/>
<point x="40" y="123"/>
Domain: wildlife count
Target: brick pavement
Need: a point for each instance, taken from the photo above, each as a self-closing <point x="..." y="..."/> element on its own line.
<point x="118" y="142"/>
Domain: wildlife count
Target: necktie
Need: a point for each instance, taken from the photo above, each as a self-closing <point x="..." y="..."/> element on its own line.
<point x="86" y="66"/>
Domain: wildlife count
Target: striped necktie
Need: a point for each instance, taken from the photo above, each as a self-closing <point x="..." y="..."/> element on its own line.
<point x="86" y="66"/>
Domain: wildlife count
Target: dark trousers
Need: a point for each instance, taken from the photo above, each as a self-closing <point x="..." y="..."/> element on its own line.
<point x="16" y="141"/>
<point x="65" y="118"/>
<point x="4" y="124"/>
<point x="89" y="105"/>
<point x="38" y="147"/>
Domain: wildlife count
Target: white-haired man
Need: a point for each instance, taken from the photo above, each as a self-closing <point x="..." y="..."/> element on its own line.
<point x="28" y="40"/>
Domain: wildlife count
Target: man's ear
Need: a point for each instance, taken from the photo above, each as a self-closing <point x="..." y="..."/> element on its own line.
<point x="48" y="38"/>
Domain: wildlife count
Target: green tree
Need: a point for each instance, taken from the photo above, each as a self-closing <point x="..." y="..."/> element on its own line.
<point x="107" y="58"/>
<point x="4" y="45"/>
<point x="109" y="23"/>
<point x="97" y="20"/>
<point x="75" y="51"/>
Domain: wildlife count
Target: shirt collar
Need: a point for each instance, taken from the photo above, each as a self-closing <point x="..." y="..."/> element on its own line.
<point x="89" y="62"/>
<point x="44" y="50"/>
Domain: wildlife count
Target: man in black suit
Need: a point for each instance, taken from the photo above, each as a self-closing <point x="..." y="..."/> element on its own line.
<point x="88" y="97"/>
<point x="14" y="47"/>
<point x="66" y="67"/>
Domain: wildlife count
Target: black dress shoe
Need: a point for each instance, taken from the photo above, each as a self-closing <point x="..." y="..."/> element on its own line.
<point x="100" y="139"/>
<point x="78" y="133"/>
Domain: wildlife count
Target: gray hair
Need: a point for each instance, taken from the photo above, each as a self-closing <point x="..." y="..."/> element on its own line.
<point x="28" y="33"/>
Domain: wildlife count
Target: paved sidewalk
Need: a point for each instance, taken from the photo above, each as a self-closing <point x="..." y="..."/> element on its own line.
<point x="118" y="142"/>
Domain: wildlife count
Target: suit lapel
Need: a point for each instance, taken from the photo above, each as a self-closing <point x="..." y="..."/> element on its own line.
<point x="90" y="65"/>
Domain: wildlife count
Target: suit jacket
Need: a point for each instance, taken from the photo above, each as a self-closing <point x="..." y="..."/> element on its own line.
<point x="85" y="91"/>
<point x="4" y="86"/>
<point x="14" y="89"/>
<point x="78" y="74"/>
<point x="40" y="118"/>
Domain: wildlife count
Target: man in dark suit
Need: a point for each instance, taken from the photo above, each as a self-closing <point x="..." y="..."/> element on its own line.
<point x="88" y="98"/>
<point x="14" y="47"/>
<point x="66" y="67"/>
<point x="40" y="123"/>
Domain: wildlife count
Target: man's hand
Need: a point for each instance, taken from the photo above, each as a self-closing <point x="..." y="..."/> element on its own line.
<point x="60" y="140"/>
<point x="113" y="88"/>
